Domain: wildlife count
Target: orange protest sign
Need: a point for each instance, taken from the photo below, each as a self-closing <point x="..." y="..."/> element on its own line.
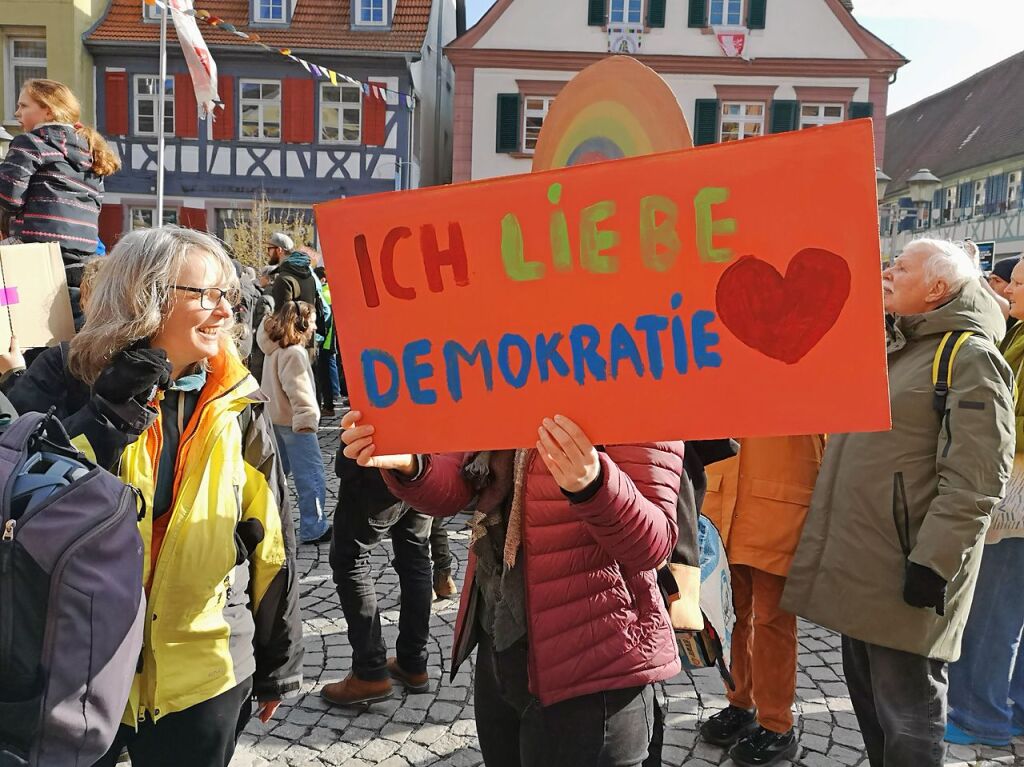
<point x="731" y="290"/>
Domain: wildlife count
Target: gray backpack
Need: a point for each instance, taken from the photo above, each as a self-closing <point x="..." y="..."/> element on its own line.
<point x="71" y="598"/>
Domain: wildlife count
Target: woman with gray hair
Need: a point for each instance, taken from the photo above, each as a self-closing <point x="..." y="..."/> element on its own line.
<point x="154" y="388"/>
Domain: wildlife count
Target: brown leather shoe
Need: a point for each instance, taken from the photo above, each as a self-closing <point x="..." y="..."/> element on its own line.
<point x="353" y="690"/>
<point x="444" y="586"/>
<point x="411" y="682"/>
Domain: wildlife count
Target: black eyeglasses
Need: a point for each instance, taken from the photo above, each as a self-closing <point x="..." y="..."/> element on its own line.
<point x="210" y="298"/>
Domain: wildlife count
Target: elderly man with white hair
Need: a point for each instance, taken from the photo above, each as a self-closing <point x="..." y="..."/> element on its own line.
<point x="890" y="551"/>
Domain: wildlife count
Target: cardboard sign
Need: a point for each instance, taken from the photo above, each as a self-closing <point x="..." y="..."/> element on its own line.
<point x="34" y="301"/>
<point x="731" y="290"/>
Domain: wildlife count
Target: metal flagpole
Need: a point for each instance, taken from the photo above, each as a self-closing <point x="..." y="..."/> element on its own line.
<point x="160" y="118"/>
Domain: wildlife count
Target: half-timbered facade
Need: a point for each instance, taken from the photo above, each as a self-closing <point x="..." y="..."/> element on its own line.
<point x="281" y="132"/>
<point x="739" y="68"/>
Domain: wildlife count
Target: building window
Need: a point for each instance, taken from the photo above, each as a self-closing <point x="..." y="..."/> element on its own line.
<point x="626" y="12"/>
<point x="341" y="114"/>
<point x="1013" y="190"/>
<point x="726" y="13"/>
<point x="153" y="12"/>
<point x="740" y="120"/>
<point x="370" y="12"/>
<point x="812" y="115"/>
<point x="147" y="99"/>
<point x="979" y="197"/>
<point x="533" y="119"/>
<point x="269" y="10"/>
<point x="143" y="218"/>
<point x="27" y="61"/>
<point x="948" y="203"/>
<point x="261" y="110"/>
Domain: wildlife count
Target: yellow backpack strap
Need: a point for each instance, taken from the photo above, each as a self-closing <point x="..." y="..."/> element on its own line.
<point x="942" y="366"/>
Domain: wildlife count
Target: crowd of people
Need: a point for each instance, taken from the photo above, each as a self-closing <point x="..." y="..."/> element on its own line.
<point x="203" y="383"/>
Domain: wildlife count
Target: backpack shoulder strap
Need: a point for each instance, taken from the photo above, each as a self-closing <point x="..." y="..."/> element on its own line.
<point x="942" y="366"/>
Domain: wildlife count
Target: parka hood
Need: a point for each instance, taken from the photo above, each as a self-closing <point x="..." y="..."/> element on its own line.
<point x="974" y="310"/>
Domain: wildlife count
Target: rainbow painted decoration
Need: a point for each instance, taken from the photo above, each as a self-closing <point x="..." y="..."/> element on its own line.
<point x="614" y="109"/>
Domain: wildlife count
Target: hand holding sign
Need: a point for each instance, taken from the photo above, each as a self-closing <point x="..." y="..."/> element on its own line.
<point x="568" y="454"/>
<point x="359" y="446"/>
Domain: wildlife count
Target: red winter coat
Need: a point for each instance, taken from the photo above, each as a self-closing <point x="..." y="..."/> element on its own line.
<point x="595" y="618"/>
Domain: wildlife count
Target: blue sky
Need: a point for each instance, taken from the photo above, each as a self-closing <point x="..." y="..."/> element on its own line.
<point x="944" y="43"/>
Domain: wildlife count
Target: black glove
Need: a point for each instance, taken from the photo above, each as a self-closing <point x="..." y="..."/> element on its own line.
<point x="133" y="373"/>
<point x="923" y="588"/>
<point x="249" y="534"/>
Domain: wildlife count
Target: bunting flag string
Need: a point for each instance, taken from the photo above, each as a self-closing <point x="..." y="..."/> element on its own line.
<point x="318" y="72"/>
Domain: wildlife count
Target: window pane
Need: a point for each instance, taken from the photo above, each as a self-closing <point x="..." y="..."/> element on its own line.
<point x="250" y="130"/>
<point x="146" y="124"/>
<point x="352" y="120"/>
<point x="755" y="110"/>
<point x="751" y="129"/>
<point x="535" y="104"/>
<point x="835" y="111"/>
<point x="271" y="91"/>
<point x="250" y="90"/>
<point x="809" y="110"/>
<point x="329" y="123"/>
<point x="351" y="95"/>
<point x="271" y="113"/>
<point x="145" y="86"/>
<point x="145" y="107"/>
<point x="330" y="94"/>
<point x="730" y="131"/>
<point x="634" y="11"/>
<point x="29" y="49"/>
<point x="732" y="109"/>
<point x="271" y="130"/>
<point x="23" y="74"/>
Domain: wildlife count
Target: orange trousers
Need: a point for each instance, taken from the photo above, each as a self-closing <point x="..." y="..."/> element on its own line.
<point x="763" y="648"/>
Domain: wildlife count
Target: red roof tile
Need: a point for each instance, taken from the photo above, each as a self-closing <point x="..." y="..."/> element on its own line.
<point x="316" y="24"/>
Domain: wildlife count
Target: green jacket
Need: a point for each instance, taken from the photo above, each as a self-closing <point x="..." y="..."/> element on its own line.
<point x="921" y="492"/>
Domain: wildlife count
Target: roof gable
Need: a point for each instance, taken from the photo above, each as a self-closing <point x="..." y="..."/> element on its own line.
<point x="315" y="25"/>
<point x="975" y="122"/>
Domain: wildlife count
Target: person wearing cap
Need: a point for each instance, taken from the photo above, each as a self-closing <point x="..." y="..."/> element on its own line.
<point x="999" y="281"/>
<point x="278" y="247"/>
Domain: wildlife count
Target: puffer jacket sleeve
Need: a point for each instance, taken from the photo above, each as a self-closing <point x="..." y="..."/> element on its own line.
<point x="274" y="578"/>
<point x="440" y="490"/>
<point x="974" y="457"/>
<point x="632" y="515"/>
<point x="23" y="160"/>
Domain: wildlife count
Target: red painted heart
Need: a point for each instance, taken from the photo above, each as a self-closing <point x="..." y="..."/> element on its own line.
<point x="784" y="317"/>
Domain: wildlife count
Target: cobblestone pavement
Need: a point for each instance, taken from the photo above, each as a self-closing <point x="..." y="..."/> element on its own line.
<point x="438" y="728"/>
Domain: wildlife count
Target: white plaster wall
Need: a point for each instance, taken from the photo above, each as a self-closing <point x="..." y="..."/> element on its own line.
<point x="488" y="83"/>
<point x="794" y="28"/>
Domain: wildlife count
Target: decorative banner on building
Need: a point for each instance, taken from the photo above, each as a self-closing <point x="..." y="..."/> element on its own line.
<point x="698" y="294"/>
<point x="201" y="66"/>
<point x="731" y="40"/>
<point x="625" y="38"/>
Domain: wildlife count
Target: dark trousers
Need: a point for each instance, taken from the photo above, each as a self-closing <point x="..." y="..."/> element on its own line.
<point x="900" y="702"/>
<point x="202" y="735"/>
<point x="324" y="387"/>
<point x="604" y="729"/>
<point x="355" y="536"/>
<point x="440" y="553"/>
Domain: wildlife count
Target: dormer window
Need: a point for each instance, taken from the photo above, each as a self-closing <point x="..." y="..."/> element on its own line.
<point x="152" y="11"/>
<point x="269" y="11"/>
<point x="371" y="12"/>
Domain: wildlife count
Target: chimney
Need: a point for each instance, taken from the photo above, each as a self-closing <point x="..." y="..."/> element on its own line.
<point x="460" y="17"/>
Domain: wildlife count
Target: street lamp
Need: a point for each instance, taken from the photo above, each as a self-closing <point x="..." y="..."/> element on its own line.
<point x="923" y="186"/>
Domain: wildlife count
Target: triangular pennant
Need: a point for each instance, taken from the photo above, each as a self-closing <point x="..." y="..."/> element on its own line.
<point x="305" y="64"/>
<point x="333" y="75"/>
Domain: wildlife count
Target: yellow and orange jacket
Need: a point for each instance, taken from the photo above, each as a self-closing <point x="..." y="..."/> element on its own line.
<point x="211" y="622"/>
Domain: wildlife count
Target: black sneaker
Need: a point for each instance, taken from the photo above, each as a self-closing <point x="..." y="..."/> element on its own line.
<point x="765" y="747"/>
<point x="729" y="725"/>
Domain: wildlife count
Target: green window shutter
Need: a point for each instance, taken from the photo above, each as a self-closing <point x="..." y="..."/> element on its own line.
<point x="698" y="13"/>
<point x="656" y="13"/>
<point x="860" y="109"/>
<point x="508" y="122"/>
<point x="705" y="122"/>
<point x="757" y="10"/>
<point x="785" y="116"/>
<point x="597" y="13"/>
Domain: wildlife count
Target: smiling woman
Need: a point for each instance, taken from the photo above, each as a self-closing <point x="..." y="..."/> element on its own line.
<point x="156" y="391"/>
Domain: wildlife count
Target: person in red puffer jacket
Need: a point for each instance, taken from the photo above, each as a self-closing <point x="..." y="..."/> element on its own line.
<point x="560" y="591"/>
